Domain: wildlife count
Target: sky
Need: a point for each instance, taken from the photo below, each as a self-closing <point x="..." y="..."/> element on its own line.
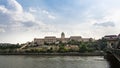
<point x="24" y="20"/>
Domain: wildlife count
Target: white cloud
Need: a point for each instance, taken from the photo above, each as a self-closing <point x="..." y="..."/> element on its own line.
<point x="32" y="10"/>
<point x="74" y="21"/>
<point x="45" y="12"/>
<point x="15" y="6"/>
<point x="21" y="24"/>
<point x="3" y="9"/>
<point x="2" y="30"/>
<point x="17" y="17"/>
<point x="105" y="15"/>
<point x="50" y="16"/>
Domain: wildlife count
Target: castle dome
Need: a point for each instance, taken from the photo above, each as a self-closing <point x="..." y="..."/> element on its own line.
<point x="62" y="33"/>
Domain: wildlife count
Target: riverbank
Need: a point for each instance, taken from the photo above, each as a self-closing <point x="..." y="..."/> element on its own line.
<point x="57" y="54"/>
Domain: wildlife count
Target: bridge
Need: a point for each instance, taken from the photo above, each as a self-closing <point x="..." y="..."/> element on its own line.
<point x="110" y="53"/>
<point x="113" y="47"/>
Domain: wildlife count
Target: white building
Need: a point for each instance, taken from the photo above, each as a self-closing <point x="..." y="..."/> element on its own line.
<point x="76" y="38"/>
<point x="38" y="41"/>
<point x="50" y="39"/>
<point x="53" y="39"/>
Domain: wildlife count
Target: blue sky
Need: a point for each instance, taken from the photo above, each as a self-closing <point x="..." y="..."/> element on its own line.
<point x="23" y="20"/>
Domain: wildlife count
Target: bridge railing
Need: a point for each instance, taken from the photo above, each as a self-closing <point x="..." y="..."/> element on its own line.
<point x="116" y="51"/>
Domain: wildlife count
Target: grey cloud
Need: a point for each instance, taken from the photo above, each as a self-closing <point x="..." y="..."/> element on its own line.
<point x="106" y="24"/>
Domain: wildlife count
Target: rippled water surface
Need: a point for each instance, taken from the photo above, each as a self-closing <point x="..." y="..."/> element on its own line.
<point x="52" y="62"/>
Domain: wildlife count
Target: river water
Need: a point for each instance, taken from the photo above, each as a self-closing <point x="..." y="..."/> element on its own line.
<point x="28" y="61"/>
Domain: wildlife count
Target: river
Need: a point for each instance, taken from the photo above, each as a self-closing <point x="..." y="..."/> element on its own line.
<point x="17" y="61"/>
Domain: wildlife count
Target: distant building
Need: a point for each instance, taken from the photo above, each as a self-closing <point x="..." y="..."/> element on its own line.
<point x="112" y="40"/>
<point x="50" y="39"/>
<point x="53" y="39"/>
<point x="111" y="37"/>
<point x="87" y="40"/>
<point x="63" y="40"/>
<point x="62" y="36"/>
<point x="38" y="41"/>
<point x="76" y="38"/>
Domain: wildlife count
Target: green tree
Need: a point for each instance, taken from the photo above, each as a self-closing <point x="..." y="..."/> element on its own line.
<point x="73" y="42"/>
<point x="102" y="43"/>
<point x="83" y="47"/>
<point x="62" y="48"/>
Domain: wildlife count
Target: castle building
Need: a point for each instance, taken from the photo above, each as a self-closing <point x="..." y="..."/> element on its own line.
<point x="76" y="38"/>
<point x="53" y="39"/>
<point x="50" y="39"/>
<point x="38" y="41"/>
<point x="87" y="40"/>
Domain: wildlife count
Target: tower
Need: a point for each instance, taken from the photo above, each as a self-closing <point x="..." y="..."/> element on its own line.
<point x="62" y="36"/>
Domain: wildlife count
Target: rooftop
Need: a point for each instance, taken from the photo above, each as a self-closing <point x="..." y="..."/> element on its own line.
<point x="110" y="36"/>
<point x="50" y="36"/>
